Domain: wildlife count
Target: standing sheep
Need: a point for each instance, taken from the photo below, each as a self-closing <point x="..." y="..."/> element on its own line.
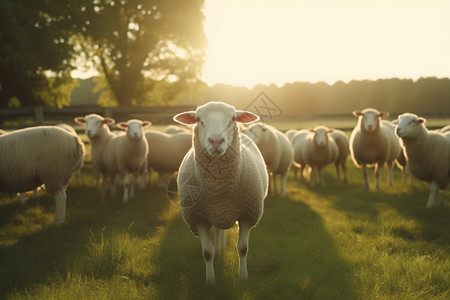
<point x="297" y="141"/>
<point x="373" y="142"/>
<point x="318" y="150"/>
<point x="343" y="149"/>
<point x="127" y="154"/>
<point x="222" y="179"/>
<point x="40" y="155"/>
<point x="427" y="154"/>
<point x="276" y="150"/>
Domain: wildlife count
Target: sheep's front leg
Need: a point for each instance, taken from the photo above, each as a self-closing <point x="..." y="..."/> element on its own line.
<point x="283" y="183"/>
<point x="365" y="177"/>
<point x="60" y="207"/>
<point x="377" y="176"/>
<point x="242" y="248"/>
<point x="132" y="186"/>
<point x="208" y="251"/>
<point x="126" y="185"/>
<point x="390" y="167"/>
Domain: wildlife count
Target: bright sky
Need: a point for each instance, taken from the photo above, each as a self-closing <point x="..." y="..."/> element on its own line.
<point x="279" y="41"/>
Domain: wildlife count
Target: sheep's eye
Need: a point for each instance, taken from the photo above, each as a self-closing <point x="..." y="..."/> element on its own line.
<point x="200" y="122"/>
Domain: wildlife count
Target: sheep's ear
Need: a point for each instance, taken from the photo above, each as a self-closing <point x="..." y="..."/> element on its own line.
<point x="395" y="122"/>
<point x="122" y="125"/>
<point x="80" y="120"/>
<point x="383" y="114"/>
<point x="246" y="117"/>
<point x="108" y="121"/>
<point x="421" y="121"/>
<point x="146" y="124"/>
<point x="330" y="130"/>
<point x="186" y="118"/>
<point x="357" y="113"/>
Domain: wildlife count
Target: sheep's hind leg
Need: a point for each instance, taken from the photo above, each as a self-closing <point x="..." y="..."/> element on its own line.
<point x="220" y="240"/>
<point x="60" y="207"/>
<point x="126" y="185"/>
<point x="242" y="248"/>
<point x="208" y="251"/>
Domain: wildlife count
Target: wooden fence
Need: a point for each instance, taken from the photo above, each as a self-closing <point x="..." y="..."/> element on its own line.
<point x="17" y="117"/>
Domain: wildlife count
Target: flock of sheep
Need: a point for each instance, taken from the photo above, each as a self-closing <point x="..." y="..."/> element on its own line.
<point x="226" y="164"/>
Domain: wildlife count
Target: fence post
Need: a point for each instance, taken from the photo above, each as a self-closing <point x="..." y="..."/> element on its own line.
<point x="39" y="115"/>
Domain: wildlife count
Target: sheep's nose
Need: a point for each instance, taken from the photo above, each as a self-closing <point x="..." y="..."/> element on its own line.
<point x="216" y="142"/>
<point x="88" y="133"/>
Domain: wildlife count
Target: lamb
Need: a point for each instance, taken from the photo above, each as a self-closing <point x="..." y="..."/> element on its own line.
<point x="317" y="151"/>
<point x="427" y="153"/>
<point x="222" y="179"/>
<point x="343" y="149"/>
<point x="373" y="142"/>
<point x="276" y="150"/>
<point x="116" y="154"/>
<point x="166" y="151"/>
<point x="40" y="155"/>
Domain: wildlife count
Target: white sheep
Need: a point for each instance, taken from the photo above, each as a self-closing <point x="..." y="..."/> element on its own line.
<point x="297" y="141"/>
<point x="40" y="155"/>
<point x="373" y="142"/>
<point x="317" y="151"/>
<point x="343" y="146"/>
<point x="277" y="152"/>
<point x="166" y="151"/>
<point x="222" y="179"/>
<point x="172" y="129"/>
<point x="116" y="154"/>
<point x="427" y="153"/>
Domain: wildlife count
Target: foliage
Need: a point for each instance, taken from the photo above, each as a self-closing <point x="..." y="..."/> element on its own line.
<point x="32" y="44"/>
<point x="137" y="44"/>
<point x="334" y="242"/>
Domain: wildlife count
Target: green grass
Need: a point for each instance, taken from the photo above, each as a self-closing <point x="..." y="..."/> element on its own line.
<point x="332" y="242"/>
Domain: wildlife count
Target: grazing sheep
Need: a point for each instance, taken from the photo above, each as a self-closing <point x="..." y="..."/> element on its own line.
<point x="373" y="142"/>
<point x="40" y="155"/>
<point x="276" y="150"/>
<point x="427" y="153"/>
<point x="343" y="146"/>
<point x="318" y="150"/>
<point x="166" y="151"/>
<point x="222" y="179"/>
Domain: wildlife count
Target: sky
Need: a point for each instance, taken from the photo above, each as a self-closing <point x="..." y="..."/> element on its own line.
<point x="279" y="41"/>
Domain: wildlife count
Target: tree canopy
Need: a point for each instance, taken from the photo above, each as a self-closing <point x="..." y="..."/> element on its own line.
<point x="138" y="47"/>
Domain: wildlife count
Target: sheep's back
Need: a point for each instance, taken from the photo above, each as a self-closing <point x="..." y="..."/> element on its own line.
<point x="39" y="155"/>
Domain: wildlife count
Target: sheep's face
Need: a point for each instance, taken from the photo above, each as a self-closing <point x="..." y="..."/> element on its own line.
<point x="257" y="132"/>
<point x="370" y="119"/>
<point x="134" y="128"/>
<point x="216" y="125"/>
<point x="94" y="124"/>
<point x="408" y="125"/>
<point x="321" y="136"/>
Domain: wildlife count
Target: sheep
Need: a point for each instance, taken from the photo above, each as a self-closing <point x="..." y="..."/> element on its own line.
<point x="373" y="142"/>
<point x="67" y="128"/>
<point x="166" y="151"/>
<point x="40" y="155"/>
<point x="297" y="141"/>
<point x="427" y="153"/>
<point x="343" y="149"/>
<point x="317" y="151"/>
<point x="116" y="154"/>
<point x="222" y="179"/>
<point x="172" y="129"/>
<point x="277" y="152"/>
<point x="445" y="129"/>
<point x="290" y="133"/>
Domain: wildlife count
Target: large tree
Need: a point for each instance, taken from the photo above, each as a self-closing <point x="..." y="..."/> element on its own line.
<point x="140" y="44"/>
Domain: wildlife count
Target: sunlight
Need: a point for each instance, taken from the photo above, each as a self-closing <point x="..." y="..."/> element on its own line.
<point x="251" y="42"/>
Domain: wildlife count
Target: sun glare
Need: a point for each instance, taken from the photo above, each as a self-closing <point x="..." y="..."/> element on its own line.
<point x="251" y="42"/>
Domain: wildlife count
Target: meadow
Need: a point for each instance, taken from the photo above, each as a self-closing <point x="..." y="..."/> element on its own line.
<point x="338" y="241"/>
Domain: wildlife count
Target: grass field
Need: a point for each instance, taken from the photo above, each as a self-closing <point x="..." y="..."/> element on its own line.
<point x="334" y="242"/>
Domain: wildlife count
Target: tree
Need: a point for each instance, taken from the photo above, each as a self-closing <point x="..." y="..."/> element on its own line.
<point x="34" y="53"/>
<point x="141" y="45"/>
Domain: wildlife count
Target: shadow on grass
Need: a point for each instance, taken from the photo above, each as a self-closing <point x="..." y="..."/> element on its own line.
<point x="33" y="252"/>
<point x="291" y="255"/>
